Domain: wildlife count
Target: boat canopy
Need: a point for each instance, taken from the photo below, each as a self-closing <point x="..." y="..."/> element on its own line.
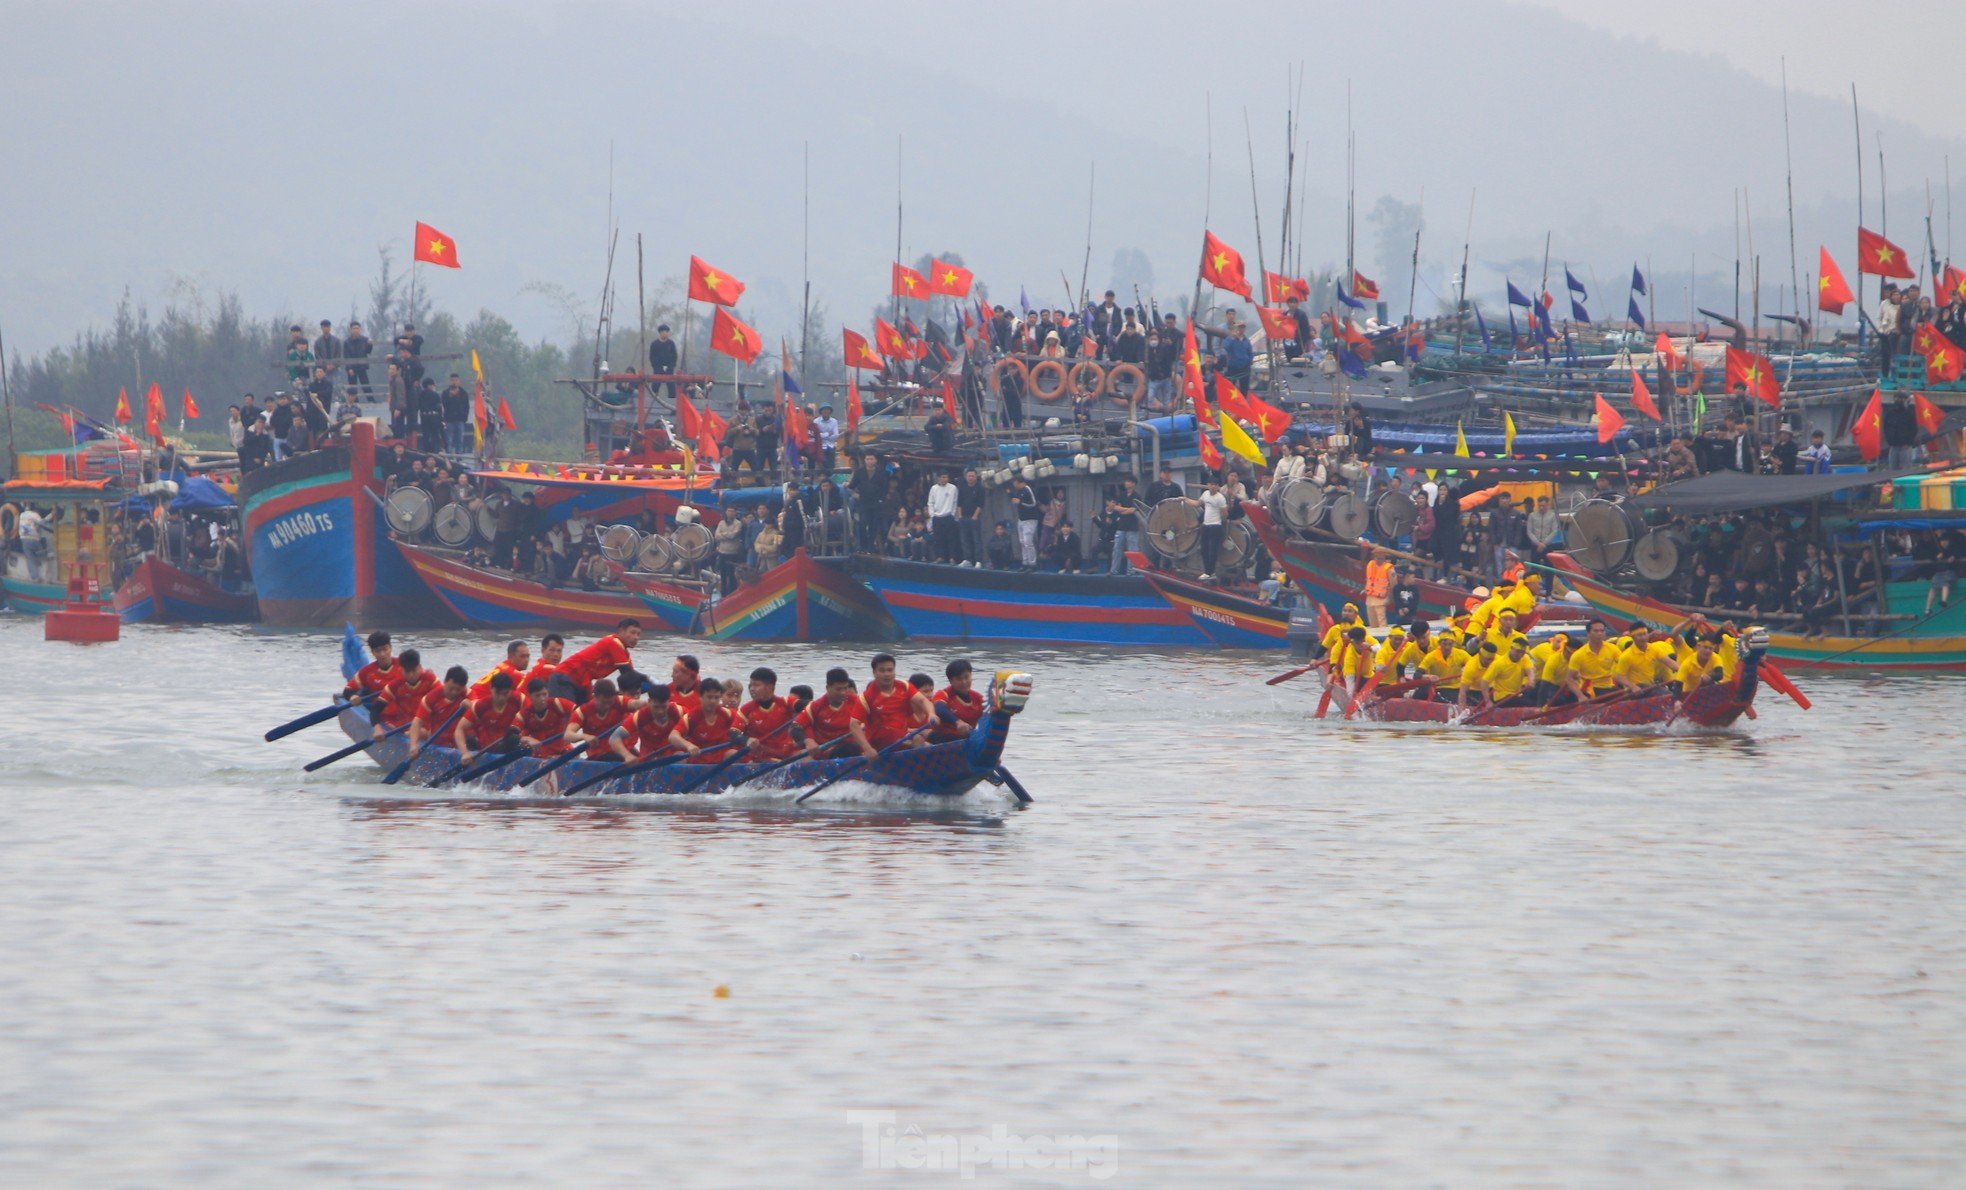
<point x="1734" y="491"/>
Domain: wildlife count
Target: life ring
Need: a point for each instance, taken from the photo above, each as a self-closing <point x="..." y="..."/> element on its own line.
<point x="9" y="521"/>
<point x="1061" y="383"/>
<point x="1009" y="364"/>
<point x="1136" y="388"/>
<point x="1079" y="375"/>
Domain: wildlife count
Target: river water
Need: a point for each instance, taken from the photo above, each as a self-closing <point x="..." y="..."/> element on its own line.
<point x="1227" y="944"/>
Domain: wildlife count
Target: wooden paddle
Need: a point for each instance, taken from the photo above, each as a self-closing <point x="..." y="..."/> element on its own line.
<point x="854" y="766"/>
<point x="572" y="754"/>
<point x="1001" y="776"/>
<point x="1364" y="692"/>
<point x="352" y="749"/>
<point x="1299" y="672"/>
<point x="790" y="760"/>
<point x="311" y="718"/>
<point x="396" y="774"/>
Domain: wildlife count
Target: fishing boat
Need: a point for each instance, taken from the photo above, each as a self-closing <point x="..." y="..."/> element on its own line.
<point x="1712" y="706"/>
<point x="802" y="598"/>
<point x="936" y="771"/>
<point x="937" y="601"/>
<point x="318" y="543"/>
<point x="1228" y="617"/>
<point x="487" y="597"/>
<point x="80" y="505"/>
<point x="1334" y="574"/>
<point x="157" y="592"/>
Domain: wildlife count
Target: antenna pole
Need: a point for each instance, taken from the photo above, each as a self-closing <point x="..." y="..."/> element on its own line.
<point x="1256" y="210"/>
<point x="1788" y="165"/>
<point x="805" y="261"/>
<point x="1461" y="303"/>
<point x="1857" y="121"/>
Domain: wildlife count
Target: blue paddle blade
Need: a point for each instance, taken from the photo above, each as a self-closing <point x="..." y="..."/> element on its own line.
<point x="305" y="721"/>
<point x="352" y="656"/>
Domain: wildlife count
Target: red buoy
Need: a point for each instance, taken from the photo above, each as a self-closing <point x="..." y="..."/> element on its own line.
<point x="87" y="617"/>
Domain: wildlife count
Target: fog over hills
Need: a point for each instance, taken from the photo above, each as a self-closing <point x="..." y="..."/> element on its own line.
<point x="271" y="148"/>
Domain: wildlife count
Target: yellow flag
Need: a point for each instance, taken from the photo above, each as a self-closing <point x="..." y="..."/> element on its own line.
<point x="1236" y="439"/>
<point x="1508" y="434"/>
<point x="475" y="365"/>
<point x="1460" y="441"/>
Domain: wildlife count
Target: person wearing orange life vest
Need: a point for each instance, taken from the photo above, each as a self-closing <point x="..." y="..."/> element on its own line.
<point x="893" y="708"/>
<point x="518" y="661"/>
<point x="1378" y="587"/>
<point x="402" y="697"/>
<point x="438" y="707"/>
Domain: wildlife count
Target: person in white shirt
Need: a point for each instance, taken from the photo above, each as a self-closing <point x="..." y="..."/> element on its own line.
<point x="944" y="534"/>
<point x="1214" y="524"/>
<point x="1815" y="456"/>
<point x="826" y="428"/>
<point x="33" y="532"/>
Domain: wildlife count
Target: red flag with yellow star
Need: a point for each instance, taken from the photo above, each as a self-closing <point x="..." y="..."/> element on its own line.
<point x="434" y="247"/>
<point x="1929" y="416"/>
<point x="1210" y="456"/>
<point x="1832" y="291"/>
<point x="1756" y="373"/>
<point x="890" y="342"/>
<point x="1221" y="265"/>
<point x="859" y="353"/>
<point x="733" y="338"/>
<point x="1609" y="420"/>
<point x="1191" y="377"/>
<point x="853" y="409"/>
<point x="1925" y="339"/>
<point x="123" y="405"/>
<point x="1366" y="289"/>
<point x="1229" y="399"/>
<point x="1953" y="285"/>
<point x="190" y="406"/>
<point x="712" y="285"/>
<point x="1868" y="430"/>
<point x="909" y="284"/>
<point x="1944" y="362"/>
<point x="1880" y="257"/>
<point x="949" y="280"/>
<point x="1278" y="289"/>
<point x="1278" y="325"/>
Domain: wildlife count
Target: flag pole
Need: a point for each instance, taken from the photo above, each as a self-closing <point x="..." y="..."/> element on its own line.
<point x="1256" y="208"/>
<point x="895" y="301"/>
<point x="1461" y="303"/>
<point x="642" y="321"/>
<point x="1857" y="122"/>
<point x="1788" y="168"/>
<point x="7" y="396"/>
<point x="805" y="259"/>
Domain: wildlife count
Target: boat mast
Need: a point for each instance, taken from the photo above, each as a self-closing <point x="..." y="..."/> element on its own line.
<point x="1256" y="210"/>
<point x="805" y="260"/>
<point x="895" y="302"/>
<point x="1085" y="270"/>
<point x="1857" y="121"/>
<point x="1461" y="302"/>
<point x="1413" y="278"/>
<point x="642" y="352"/>
<point x="1788" y="168"/>
<point x="7" y="396"/>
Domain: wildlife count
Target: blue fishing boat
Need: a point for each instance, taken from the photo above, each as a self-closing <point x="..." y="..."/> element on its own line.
<point x="937" y="601"/>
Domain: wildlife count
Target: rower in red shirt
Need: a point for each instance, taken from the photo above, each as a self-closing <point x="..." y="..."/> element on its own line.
<point x="893" y="708"/>
<point x="437" y="707"/>
<point x="683" y="694"/>
<point x="543" y="718"/>
<point x="765" y="718"/>
<point x="838" y="717"/>
<point x="552" y="648"/>
<point x="489" y="723"/>
<point x="651" y="729"/>
<point x="371" y="681"/>
<point x="575" y="677"/>
<point x="518" y="659"/>
<point x="593" y="719"/>
<point x="402" y="697"/>
<point x="709" y="725"/>
<point x="961" y="698"/>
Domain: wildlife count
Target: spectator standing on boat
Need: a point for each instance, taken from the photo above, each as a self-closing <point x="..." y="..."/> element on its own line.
<point x="255" y="449"/>
<point x="1544" y="528"/>
<point x="1888" y="310"/>
<point x="1816" y="456"/>
<point x="969" y="510"/>
<point x="327" y="348"/>
<point x="742" y="442"/>
<point x="1403" y="602"/>
<point x="430" y="417"/>
<point x="1130" y="344"/>
<point x="1124" y="507"/>
<point x="298" y="356"/>
<point x="280" y="423"/>
<point x="1237" y="356"/>
<point x="1067" y="553"/>
<point x="1024" y="502"/>
<point x="1378" y="587"/>
<point x="1214" y="508"/>
<point x="235" y="428"/>
<point x="457" y="417"/>
<point x="944" y="511"/>
<point x="356" y="349"/>
<point x="871" y="485"/>
<point x="1161" y="355"/>
<point x="1786" y="453"/>
<point x="663" y="357"/>
<point x="730" y="550"/>
<point x="1901" y="433"/>
<point x="402" y="416"/>
<point x="1505" y="525"/>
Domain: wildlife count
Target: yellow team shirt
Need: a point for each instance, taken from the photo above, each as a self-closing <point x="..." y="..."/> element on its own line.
<point x="1646" y="666"/>
<point x="1447" y="669"/>
<point x="1412" y="653"/>
<point x="1725" y="653"/>
<point x="1594" y="669"/>
<point x="1355" y="663"/>
<point x="1554" y="664"/>
<point x="1506" y="678"/>
<point x="1335" y="635"/>
<point x="1690" y="670"/>
<point x="1472" y="671"/>
<point x="1387" y="654"/>
<point x="1501" y="637"/>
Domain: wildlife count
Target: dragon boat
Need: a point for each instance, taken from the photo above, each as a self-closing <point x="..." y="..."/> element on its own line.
<point x="934" y="771"/>
<point x="1713" y="706"/>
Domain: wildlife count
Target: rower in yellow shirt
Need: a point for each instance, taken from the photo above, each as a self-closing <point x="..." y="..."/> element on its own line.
<point x="1701" y="668"/>
<point x="1419" y="642"/>
<point x="1385" y="659"/>
<point x="1593" y="665"/>
<point x="1444" y="663"/>
<point x="1503" y="630"/>
<point x="1351" y="665"/>
<point x="1509" y="676"/>
<point x="1645" y="662"/>
<point x="1335" y="635"/>
<point x="1552" y="659"/>
<point x="1476" y="668"/>
<point x="1725" y="649"/>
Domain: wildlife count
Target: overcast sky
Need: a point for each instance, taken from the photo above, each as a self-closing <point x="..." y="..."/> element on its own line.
<point x="269" y="148"/>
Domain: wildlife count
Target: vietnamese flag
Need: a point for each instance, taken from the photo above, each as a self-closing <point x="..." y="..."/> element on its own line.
<point x="1954" y="284"/>
<point x="708" y="285"/>
<point x="710" y="437"/>
<point x="1191" y="376"/>
<point x="859" y="354"/>
<point x="1642" y="397"/>
<point x="123" y="405"/>
<point x="1221" y="265"/>
<point x="1945" y="361"/>
<point x="1754" y="372"/>
<point x="1267" y="418"/>
<point x="1880" y="257"/>
<point x="1366" y="289"/>
<point x="190" y="406"/>
<point x="687" y="418"/>
<point x="852" y="402"/>
<point x="891" y="342"/>
<point x="1278" y="324"/>
<point x="1229" y="399"/>
<point x="505" y="417"/>
<point x="1925" y="339"/>
<point x="909" y="284"/>
<point x="733" y="338"/>
<point x="949" y="401"/>
<point x="434" y="247"/>
<point x="1609" y="420"/>
<point x="1210" y="457"/>
<point x="1278" y="289"/>
<point x="1832" y="291"/>
<point x="949" y="280"/>
<point x="1868" y="430"/>
<point x="1929" y="416"/>
<point x="1667" y="351"/>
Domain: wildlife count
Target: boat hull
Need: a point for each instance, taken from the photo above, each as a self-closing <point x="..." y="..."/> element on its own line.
<point x="159" y="593"/>
<point x="1228" y="620"/>
<point x="1334" y="575"/>
<point x="930" y="601"/>
<point x="1907" y="654"/>
<point x="1709" y="707"/>
<point x="483" y="597"/>
<point x="802" y="598"/>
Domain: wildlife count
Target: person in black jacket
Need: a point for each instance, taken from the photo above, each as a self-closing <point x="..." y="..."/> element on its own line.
<point x="357" y="347"/>
<point x="663" y="357"/>
<point x="1162" y="352"/>
<point x="1901" y="433"/>
<point x="280" y="419"/>
<point x="430" y="418"/>
<point x="457" y="416"/>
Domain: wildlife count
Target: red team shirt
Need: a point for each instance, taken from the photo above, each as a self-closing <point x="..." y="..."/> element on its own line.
<point x="589" y="719"/>
<point x="504" y="667"/>
<point x="707" y="728"/>
<point x="686" y="702"/>
<point x="890" y="713"/>
<point x="402" y="697"/>
<point x="825" y="722"/>
<point x="547" y="721"/>
<point x="649" y="736"/>
<point x="967" y="709"/>
<point x="373" y="679"/>
<point x="485" y="724"/>
<point x="594" y="662"/>
<point x="763" y="724"/>
<point x="436" y="709"/>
